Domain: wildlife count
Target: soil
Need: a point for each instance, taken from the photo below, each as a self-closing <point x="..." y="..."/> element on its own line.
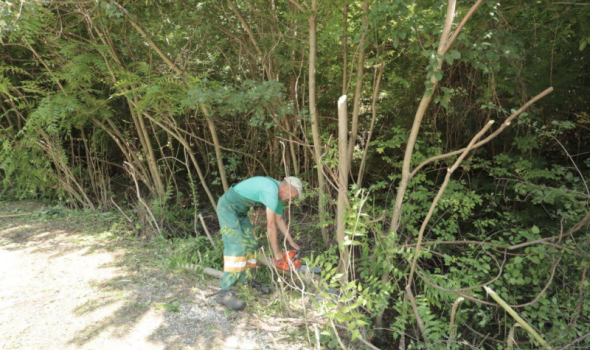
<point x="68" y="282"/>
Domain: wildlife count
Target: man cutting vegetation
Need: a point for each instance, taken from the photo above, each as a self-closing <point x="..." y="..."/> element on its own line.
<point x="238" y="235"/>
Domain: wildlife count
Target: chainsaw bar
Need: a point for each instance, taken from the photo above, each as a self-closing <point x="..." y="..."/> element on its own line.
<point x="306" y="269"/>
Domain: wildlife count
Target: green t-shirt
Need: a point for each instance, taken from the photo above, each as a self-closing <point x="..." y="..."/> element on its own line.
<point x="263" y="190"/>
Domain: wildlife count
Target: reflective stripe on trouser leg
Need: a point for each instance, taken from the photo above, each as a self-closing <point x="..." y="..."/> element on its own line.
<point x="251" y="262"/>
<point x="234" y="254"/>
<point x="234" y="263"/>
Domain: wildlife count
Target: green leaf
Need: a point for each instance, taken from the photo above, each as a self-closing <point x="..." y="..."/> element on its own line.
<point x="535" y="229"/>
<point x="583" y="44"/>
<point x="455" y="54"/>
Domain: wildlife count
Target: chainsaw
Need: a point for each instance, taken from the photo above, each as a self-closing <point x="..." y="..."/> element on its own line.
<point x="291" y="260"/>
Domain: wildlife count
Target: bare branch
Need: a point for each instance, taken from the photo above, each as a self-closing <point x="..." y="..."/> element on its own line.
<point x="415" y="309"/>
<point x="294" y="2"/>
<point x="489" y="138"/>
<point x="460" y="26"/>
<point x="572" y="231"/>
<point x="439" y="195"/>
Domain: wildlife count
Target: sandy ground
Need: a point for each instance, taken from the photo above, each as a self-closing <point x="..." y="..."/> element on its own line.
<point x="66" y="283"/>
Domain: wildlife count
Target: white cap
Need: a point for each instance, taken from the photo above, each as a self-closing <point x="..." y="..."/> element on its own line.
<point x="295" y="182"/>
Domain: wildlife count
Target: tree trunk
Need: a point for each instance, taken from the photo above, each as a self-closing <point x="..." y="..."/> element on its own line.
<point x="344" y="47"/>
<point x="343" y="168"/>
<point x="315" y="129"/>
<point x="412" y="139"/>
<point x="403" y="185"/>
<point x="359" y="81"/>
<point x="216" y="145"/>
<point x="376" y="89"/>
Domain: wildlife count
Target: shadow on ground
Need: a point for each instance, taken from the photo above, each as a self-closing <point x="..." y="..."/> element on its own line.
<point x="139" y="304"/>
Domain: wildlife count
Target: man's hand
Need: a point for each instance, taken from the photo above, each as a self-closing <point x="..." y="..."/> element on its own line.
<point x="292" y="243"/>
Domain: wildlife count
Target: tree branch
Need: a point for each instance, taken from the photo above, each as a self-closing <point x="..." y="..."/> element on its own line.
<point x="439" y="195"/>
<point x="489" y="138"/>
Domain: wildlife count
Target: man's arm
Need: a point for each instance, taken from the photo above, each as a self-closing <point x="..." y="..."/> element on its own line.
<point x="272" y="221"/>
<point x="285" y="230"/>
<point x="271" y="228"/>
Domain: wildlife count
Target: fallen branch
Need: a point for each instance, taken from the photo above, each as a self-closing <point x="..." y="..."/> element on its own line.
<point x="14" y="215"/>
<point x="517" y="318"/>
<point x="279" y="324"/>
<point x="207" y="270"/>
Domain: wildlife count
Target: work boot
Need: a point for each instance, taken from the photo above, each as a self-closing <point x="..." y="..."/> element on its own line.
<point x="259" y="287"/>
<point x="229" y="299"/>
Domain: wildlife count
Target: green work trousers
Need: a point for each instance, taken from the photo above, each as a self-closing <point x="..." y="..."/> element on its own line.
<point x="238" y="237"/>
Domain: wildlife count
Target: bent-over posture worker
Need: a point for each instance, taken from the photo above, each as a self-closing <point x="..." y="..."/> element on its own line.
<point x="238" y="235"/>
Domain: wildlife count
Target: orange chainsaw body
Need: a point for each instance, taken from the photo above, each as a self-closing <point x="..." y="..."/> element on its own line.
<point x="290" y="260"/>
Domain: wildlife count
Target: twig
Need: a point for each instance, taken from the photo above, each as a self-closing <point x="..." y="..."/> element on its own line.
<point x="14" y="215"/>
<point x="543" y="290"/>
<point x="317" y="336"/>
<point x="121" y="210"/>
<point x="573" y="230"/>
<point x="418" y="318"/>
<point x="487" y="337"/>
<point x="451" y="329"/>
<point x="460" y="26"/>
<point x="294" y="2"/>
<point x="576" y="341"/>
<point x="207" y="230"/>
<point x="273" y="341"/>
<point x="368" y="344"/>
<point x="580" y="298"/>
<point x="212" y="294"/>
<point x="337" y="336"/>
<point x="574" y="163"/>
<point x="439" y="195"/>
<point x="489" y="138"/>
<point x="511" y="340"/>
<point x="132" y="172"/>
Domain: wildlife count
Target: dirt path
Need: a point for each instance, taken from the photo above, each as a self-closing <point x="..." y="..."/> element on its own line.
<point x="68" y="283"/>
